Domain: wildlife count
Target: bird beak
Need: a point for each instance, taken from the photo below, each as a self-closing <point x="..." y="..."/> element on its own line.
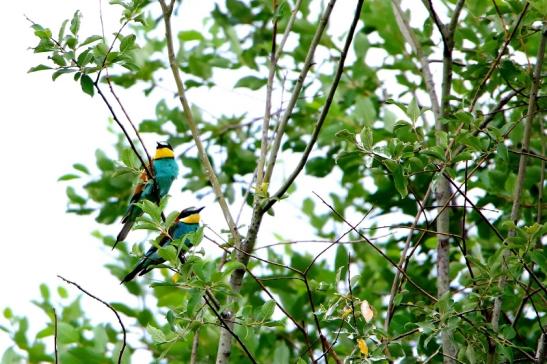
<point x="199" y="209"/>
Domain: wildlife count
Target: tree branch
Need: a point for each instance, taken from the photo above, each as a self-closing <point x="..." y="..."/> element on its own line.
<point x="55" y="335"/>
<point x="167" y="12"/>
<point x="410" y="38"/>
<point x="388" y="259"/>
<point x="274" y="58"/>
<point x="124" y="342"/>
<point x="308" y="62"/>
<point x="497" y="60"/>
<point x="519" y="184"/>
<point x="227" y="327"/>
<point x="324" y="111"/>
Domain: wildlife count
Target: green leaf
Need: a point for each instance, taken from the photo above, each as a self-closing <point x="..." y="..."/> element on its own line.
<point x="90" y="40"/>
<point x="189" y="35"/>
<point x="365" y="110"/>
<point x="68" y="177"/>
<point x="502" y="152"/>
<point x="232" y="266"/>
<point x="87" y="85"/>
<point x="128" y="43"/>
<point x="252" y="82"/>
<point x="40" y="67"/>
<point x="346" y="135"/>
<point x="168" y="253"/>
<point x="267" y="309"/>
<point x="470" y="354"/>
<point x="366" y="137"/>
<point x="44" y="291"/>
<point x="62" y="292"/>
<point x="67" y="333"/>
<point x="413" y="111"/>
<point x="61" y="71"/>
<point x="540" y="259"/>
<point x="401" y="183"/>
<point x="341" y="260"/>
<point x="80" y="167"/>
<point x="75" y="23"/>
<point x="156" y="334"/>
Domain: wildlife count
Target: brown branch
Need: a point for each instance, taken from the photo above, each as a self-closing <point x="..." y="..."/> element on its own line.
<point x="411" y="39"/>
<point x="497" y="60"/>
<point x="388" y="259"/>
<point x="55" y="335"/>
<point x="167" y="12"/>
<point x="541" y="354"/>
<point x="519" y="184"/>
<point x="308" y="62"/>
<point x="227" y="327"/>
<point x="124" y="342"/>
<point x="110" y="108"/>
<point x="324" y="111"/>
<point x="274" y="58"/>
<point x="105" y="67"/>
<point x="195" y="344"/>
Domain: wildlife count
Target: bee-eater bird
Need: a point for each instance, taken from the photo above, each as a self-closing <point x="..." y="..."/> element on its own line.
<point x="187" y="222"/>
<point x="165" y="170"/>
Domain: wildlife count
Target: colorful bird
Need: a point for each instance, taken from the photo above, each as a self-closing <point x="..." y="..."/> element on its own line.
<point x="187" y="222"/>
<point x="165" y="170"/>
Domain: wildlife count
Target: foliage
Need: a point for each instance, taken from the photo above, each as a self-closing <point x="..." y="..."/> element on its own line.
<point x="380" y="152"/>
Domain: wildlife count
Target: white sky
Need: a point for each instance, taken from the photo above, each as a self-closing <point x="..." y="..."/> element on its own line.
<point x="47" y="127"/>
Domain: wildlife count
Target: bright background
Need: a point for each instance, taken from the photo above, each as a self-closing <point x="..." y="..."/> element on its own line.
<point x="46" y="127"/>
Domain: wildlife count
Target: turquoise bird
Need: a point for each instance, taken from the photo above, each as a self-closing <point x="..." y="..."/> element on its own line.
<point x="187" y="222"/>
<point x="165" y="170"/>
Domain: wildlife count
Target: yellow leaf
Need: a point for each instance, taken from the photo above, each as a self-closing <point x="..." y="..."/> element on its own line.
<point x="363" y="348"/>
<point x="175" y="277"/>
<point x="346" y="312"/>
<point x="366" y="311"/>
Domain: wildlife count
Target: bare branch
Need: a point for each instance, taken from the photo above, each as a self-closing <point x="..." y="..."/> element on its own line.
<point x="308" y="62"/>
<point x="124" y="342"/>
<point x="167" y="12"/>
<point x="55" y="335"/>
<point x="388" y="259"/>
<point x="497" y="60"/>
<point x="410" y="38"/>
<point x="274" y="58"/>
<point x="324" y="111"/>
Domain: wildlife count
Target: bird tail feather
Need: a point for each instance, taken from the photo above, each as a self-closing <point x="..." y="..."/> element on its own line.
<point x="123" y="233"/>
<point x="134" y="272"/>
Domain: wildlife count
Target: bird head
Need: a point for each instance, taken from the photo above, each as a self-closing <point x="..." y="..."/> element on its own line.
<point x="164" y="150"/>
<point x="190" y="215"/>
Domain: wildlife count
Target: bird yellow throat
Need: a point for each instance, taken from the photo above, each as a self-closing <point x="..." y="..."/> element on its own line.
<point x="164" y="153"/>
<point x="192" y="219"/>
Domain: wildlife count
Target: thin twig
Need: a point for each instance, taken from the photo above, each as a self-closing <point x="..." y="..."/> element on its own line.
<point x="249" y="355"/>
<point x="519" y="184"/>
<point x="411" y="39"/>
<point x="497" y="60"/>
<point x="388" y="259"/>
<point x="124" y="343"/>
<point x="308" y="62"/>
<point x="55" y="335"/>
<point x="324" y="111"/>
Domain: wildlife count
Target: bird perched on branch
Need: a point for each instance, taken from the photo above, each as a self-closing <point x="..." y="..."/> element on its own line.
<point x="186" y="222"/>
<point x="164" y="170"/>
